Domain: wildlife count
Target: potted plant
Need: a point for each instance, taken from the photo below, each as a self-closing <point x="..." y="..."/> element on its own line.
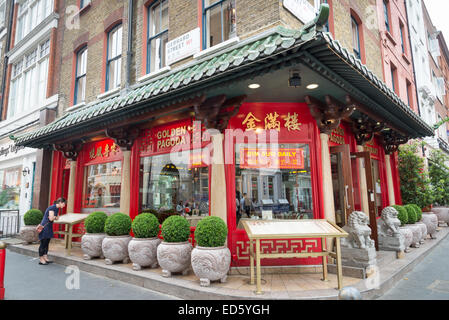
<point x="419" y="221"/>
<point x="210" y="258"/>
<point x="143" y="247"/>
<point x="173" y="254"/>
<point x="411" y="224"/>
<point x="115" y="244"/>
<point x="31" y="219"/>
<point x="91" y="242"/>
<point x="406" y="232"/>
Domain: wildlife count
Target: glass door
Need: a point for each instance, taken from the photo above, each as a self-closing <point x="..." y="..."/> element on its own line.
<point x="342" y="183"/>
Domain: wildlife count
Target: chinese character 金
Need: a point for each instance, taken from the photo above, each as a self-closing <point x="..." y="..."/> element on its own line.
<point x="291" y="122"/>
<point x="271" y="122"/>
<point x="250" y="122"/>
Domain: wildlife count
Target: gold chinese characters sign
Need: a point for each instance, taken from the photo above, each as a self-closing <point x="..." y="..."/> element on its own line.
<point x="272" y="121"/>
<point x="258" y="230"/>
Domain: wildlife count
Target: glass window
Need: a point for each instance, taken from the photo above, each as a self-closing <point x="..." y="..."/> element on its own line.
<point x="30" y="14"/>
<point x="386" y="16"/>
<point x="218" y="22"/>
<point x="80" y="77"/>
<point x="10" y="188"/>
<point x="114" y="59"/>
<point x="355" y="37"/>
<point x="157" y="35"/>
<point x="84" y="3"/>
<point x="103" y="183"/>
<point x="273" y="181"/>
<point x="176" y="184"/>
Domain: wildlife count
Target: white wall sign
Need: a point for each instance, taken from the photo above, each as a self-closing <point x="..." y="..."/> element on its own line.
<point x="184" y="46"/>
<point x="301" y="9"/>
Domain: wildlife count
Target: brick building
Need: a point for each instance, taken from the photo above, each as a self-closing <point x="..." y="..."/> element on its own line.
<point x="149" y="123"/>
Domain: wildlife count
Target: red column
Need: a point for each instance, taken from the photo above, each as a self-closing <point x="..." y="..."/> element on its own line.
<point x="2" y="269"/>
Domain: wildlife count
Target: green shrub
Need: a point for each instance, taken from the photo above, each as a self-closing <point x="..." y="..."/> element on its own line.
<point x="94" y="223"/>
<point x="418" y="212"/>
<point x="402" y="214"/>
<point x="176" y="229"/>
<point x="412" y="216"/>
<point x="211" y="232"/>
<point x="118" y="224"/>
<point x="145" y="225"/>
<point x="33" y="217"/>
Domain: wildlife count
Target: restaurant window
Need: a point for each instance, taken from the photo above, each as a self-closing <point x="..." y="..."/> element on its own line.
<point x="114" y="59"/>
<point x="157" y="35"/>
<point x="273" y="182"/>
<point x="80" y="76"/>
<point x="355" y="37"/>
<point x="10" y="188"/>
<point x="103" y="183"/>
<point x="219" y="22"/>
<point x="174" y="183"/>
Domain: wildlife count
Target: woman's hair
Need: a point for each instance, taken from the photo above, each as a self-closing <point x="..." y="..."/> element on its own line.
<point x="60" y="200"/>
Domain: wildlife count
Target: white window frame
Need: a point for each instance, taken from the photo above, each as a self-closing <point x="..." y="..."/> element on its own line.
<point x="25" y="21"/>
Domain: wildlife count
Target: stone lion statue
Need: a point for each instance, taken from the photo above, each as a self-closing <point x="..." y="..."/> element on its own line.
<point x="389" y="223"/>
<point x="359" y="231"/>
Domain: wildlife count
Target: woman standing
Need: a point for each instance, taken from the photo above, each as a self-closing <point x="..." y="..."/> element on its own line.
<point x="51" y="214"/>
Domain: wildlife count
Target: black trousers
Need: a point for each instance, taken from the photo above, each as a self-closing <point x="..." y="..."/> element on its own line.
<point x="43" y="248"/>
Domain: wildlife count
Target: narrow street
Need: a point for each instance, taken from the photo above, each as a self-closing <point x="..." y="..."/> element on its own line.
<point x="429" y="280"/>
<point x="25" y="279"/>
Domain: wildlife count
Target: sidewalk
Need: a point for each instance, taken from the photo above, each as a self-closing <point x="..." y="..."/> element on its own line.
<point x="275" y="286"/>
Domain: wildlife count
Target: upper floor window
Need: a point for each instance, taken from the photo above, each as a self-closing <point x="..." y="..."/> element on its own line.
<point x="30" y="14"/>
<point x="218" y="21"/>
<point x="29" y="76"/>
<point x="80" y="76"/>
<point x="84" y="3"/>
<point x="386" y="16"/>
<point x="2" y="13"/>
<point x="157" y="35"/>
<point x="114" y="59"/>
<point x="393" y="78"/>
<point x="355" y="37"/>
<point x="401" y="28"/>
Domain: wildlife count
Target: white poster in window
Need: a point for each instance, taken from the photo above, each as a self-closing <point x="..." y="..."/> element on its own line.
<point x="301" y="9"/>
<point x="267" y="215"/>
<point x="184" y="46"/>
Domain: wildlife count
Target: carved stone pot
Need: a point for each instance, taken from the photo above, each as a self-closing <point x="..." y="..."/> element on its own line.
<point x="211" y="264"/>
<point x="442" y="214"/>
<point x="91" y="245"/>
<point x="143" y="252"/>
<point x="408" y="237"/>
<point x="174" y="257"/>
<point x="29" y="234"/>
<point x="115" y="249"/>
<point x="423" y="231"/>
<point x="431" y="221"/>
<point x="417" y="234"/>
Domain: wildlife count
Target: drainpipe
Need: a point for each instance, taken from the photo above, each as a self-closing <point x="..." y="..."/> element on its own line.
<point x="6" y="59"/>
<point x="129" y="52"/>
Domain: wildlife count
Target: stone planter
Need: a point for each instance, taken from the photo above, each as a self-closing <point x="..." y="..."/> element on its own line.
<point x="423" y="231"/>
<point x="417" y="234"/>
<point x="29" y="234"/>
<point x="211" y="264"/>
<point x="442" y="214"/>
<point x="91" y="245"/>
<point x="115" y="249"/>
<point x="143" y="252"/>
<point x="174" y="257"/>
<point x="408" y="237"/>
<point x="431" y="221"/>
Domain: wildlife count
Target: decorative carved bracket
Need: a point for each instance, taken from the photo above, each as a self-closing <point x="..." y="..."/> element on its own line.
<point x="328" y="115"/>
<point x="391" y="141"/>
<point x="70" y="150"/>
<point x="216" y="112"/>
<point x="364" y="129"/>
<point x="124" y="137"/>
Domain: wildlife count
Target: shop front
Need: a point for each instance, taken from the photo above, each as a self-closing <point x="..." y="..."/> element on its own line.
<point x="241" y="135"/>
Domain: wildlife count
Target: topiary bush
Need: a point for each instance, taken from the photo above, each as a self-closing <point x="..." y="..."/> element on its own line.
<point x="33" y="217"/>
<point x="402" y="214"/>
<point x="94" y="223"/>
<point x="175" y="229"/>
<point x="412" y="216"/>
<point x="211" y="232"/>
<point x="118" y="224"/>
<point x="145" y="225"/>
<point x="418" y="212"/>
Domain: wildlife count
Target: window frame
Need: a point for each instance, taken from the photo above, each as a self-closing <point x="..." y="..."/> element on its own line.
<point x="78" y="54"/>
<point x="154" y="37"/>
<point x="110" y="60"/>
<point x="386" y="11"/>
<point x="357" y="29"/>
<point x="204" y="27"/>
<point x="84" y="3"/>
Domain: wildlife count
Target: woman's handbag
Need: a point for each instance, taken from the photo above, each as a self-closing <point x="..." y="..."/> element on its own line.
<point x="41" y="227"/>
